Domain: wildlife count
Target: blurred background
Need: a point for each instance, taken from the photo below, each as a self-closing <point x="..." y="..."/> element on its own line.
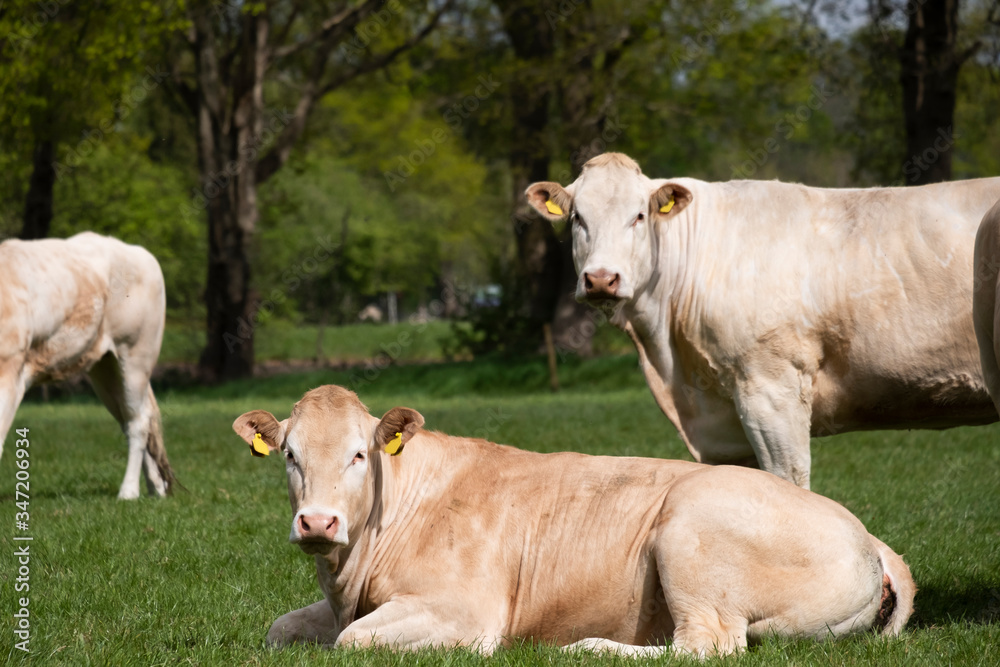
<point x="339" y="183"/>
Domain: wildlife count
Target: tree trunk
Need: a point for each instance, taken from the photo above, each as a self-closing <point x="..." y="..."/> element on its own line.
<point x="929" y="77"/>
<point x="229" y="351"/>
<point x="38" y="203"/>
<point x="227" y="150"/>
<point x="530" y="32"/>
<point x="574" y="323"/>
<point x="231" y="56"/>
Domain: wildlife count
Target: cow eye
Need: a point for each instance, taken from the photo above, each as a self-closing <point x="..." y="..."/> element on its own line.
<point x="576" y="219"/>
<point x="289" y="456"/>
<point x="360" y="456"/>
<point x="639" y="218"/>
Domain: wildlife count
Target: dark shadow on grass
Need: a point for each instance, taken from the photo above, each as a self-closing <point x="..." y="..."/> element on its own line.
<point x="972" y="602"/>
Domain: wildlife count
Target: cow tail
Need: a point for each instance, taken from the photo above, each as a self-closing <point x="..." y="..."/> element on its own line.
<point x="898" y="591"/>
<point x="155" y="446"/>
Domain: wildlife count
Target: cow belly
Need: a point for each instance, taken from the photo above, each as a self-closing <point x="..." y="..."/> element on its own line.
<point x="890" y="403"/>
<point x="600" y="607"/>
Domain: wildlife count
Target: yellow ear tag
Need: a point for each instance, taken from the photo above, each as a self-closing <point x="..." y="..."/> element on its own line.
<point x="257" y="447"/>
<point x="669" y="205"/>
<point x="392" y="447"/>
<point x="553" y="209"/>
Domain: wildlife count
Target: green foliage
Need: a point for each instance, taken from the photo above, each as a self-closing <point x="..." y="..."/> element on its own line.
<point x="68" y="65"/>
<point x="977" y="123"/>
<point x="198" y="578"/>
<point x="418" y="164"/>
<point x="415" y="158"/>
<point x="737" y="91"/>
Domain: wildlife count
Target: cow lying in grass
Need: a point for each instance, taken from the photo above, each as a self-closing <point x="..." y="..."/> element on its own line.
<point x="88" y="303"/>
<point x="462" y="542"/>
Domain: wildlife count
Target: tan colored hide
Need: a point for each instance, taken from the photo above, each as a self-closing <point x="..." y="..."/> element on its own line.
<point x="462" y="542"/>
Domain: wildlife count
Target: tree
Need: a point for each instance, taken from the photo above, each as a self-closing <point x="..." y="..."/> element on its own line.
<point x="234" y="54"/>
<point x="66" y="66"/>
<point x="561" y="92"/>
<point x="930" y="58"/>
<point x="530" y="152"/>
<point x="930" y="63"/>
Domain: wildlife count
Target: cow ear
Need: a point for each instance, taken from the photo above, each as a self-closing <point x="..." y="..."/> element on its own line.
<point x="396" y="428"/>
<point x="260" y="423"/>
<point x="668" y="199"/>
<point x="552" y="200"/>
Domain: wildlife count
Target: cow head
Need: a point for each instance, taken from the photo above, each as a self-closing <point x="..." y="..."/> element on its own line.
<point x="613" y="209"/>
<point x="331" y="447"/>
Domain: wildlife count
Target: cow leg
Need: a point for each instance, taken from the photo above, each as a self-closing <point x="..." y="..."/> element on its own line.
<point x="406" y="624"/>
<point x="128" y="398"/>
<point x="776" y="418"/>
<point x="705" y="635"/>
<point x="12" y="388"/>
<point x="145" y="430"/>
<point x="600" y="645"/>
<point x="313" y="624"/>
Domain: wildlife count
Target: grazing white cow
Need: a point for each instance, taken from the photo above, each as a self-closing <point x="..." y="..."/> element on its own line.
<point x="986" y="297"/>
<point x="461" y="542"/>
<point x="767" y="312"/>
<point x="87" y="303"/>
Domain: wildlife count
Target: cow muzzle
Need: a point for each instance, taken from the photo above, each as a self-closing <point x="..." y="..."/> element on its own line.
<point x="319" y="530"/>
<point x="601" y="285"/>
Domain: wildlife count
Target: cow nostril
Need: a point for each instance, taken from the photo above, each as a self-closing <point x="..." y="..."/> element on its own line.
<point x="614" y="281"/>
<point x="587" y="282"/>
<point x="303" y="524"/>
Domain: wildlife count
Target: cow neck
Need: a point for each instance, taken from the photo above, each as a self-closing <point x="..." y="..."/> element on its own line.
<point x="344" y="581"/>
<point x="399" y="485"/>
<point x="662" y="313"/>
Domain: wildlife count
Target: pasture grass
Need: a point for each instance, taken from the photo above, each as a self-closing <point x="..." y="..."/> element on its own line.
<point x="282" y="340"/>
<point x="199" y="577"/>
<point x="406" y="342"/>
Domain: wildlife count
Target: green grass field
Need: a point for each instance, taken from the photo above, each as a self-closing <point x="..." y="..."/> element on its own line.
<point x="406" y="342"/>
<point x="199" y="577"/>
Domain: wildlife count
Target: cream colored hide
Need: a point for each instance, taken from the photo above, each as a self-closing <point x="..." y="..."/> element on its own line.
<point x="986" y="288"/>
<point x="87" y="304"/>
<point x="765" y="313"/>
<point x="462" y="542"/>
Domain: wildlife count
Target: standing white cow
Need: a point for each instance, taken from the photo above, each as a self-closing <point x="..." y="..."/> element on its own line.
<point x="766" y="312"/>
<point x="88" y="303"/>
